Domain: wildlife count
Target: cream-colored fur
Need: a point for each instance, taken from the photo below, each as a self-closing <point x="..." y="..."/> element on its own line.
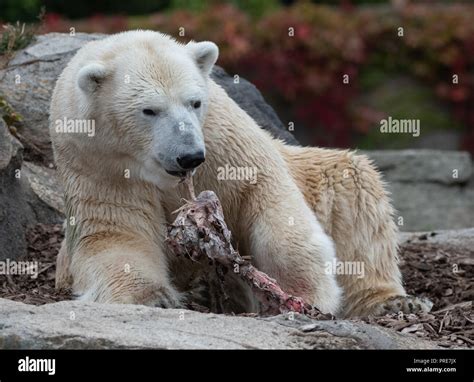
<point x="307" y="206"/>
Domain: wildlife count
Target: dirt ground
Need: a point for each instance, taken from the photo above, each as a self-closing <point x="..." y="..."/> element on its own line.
<point x="447" y="279"/>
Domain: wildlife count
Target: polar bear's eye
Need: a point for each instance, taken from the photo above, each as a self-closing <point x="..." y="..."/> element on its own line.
<point x="148" y="112"/>
<point x="196" y="104"/>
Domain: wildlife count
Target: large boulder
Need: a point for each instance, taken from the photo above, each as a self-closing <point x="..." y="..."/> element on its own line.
<point x="76" y="325"/>
<point x="431" y="189"/>
<point x="20" y="206"/>
<point x="28" y="81"/>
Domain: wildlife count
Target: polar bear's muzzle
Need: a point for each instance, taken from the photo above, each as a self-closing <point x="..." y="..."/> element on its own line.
<point x="188" y="162"/>
<point x="178" y="144"/>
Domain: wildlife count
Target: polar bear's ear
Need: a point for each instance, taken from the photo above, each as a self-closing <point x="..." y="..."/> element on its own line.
<point x="205" y="54"/>
<point x="91" y="76"/>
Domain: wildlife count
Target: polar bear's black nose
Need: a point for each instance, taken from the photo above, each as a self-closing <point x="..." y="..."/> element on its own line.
<point x="190" y="161"/>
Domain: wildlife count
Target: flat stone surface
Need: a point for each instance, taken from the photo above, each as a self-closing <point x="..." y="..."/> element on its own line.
<point x="461" y="241"/>
<point x="430" y="206"/>
<point x="52" y="46"/>
<point x="78" y="325"/>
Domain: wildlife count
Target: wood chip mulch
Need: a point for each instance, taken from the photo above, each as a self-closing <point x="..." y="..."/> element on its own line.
<point x="43" y="245"/>
<point x="445" y="278"/>
<point x="451" y="327"/>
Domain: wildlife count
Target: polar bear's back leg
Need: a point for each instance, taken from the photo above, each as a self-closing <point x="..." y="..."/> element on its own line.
<point x="349" y="198"/>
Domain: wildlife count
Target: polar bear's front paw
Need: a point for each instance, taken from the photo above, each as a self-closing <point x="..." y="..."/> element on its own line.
<point x="165" y="296"/>
<point x="406" y="304"/>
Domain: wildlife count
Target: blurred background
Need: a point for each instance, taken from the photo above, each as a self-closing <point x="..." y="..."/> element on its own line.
<point x="343" y="66"/>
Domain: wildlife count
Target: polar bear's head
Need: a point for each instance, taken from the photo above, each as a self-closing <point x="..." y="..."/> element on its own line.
<point x="149" y="95"/>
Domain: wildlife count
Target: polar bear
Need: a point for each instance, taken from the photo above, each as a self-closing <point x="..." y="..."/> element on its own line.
<point x="157" y="115"/>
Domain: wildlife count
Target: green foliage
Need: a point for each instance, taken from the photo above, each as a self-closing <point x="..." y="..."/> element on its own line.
<point x="401" y="97"/>
<point x="190" y="5"/>
<point x="355" y="2"/>
<point x="256" y="8"/>
<point x="15" y="36"/>
<point x="7" y="113"/>
<point x="25" y="10"/>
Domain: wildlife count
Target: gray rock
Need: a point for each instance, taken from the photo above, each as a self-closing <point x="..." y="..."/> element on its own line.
<point x="431" y="189"/>
<point x="20" y="207"/>
<point x="12" y="209"/>
<point x="251" y="100"/>
<point x="10" y="148"/>
<point x="77" y="325"/>
<point x="28" y="81"/>
<point x="460" y="241"/>
<point x="45" y="185"/>
<point x="52" y="47"/>
<point x="415" y="166"/>
<point x="427" y="206"/>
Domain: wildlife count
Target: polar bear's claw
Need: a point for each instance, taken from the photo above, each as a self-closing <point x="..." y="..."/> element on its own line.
<point x="406" y="304"/>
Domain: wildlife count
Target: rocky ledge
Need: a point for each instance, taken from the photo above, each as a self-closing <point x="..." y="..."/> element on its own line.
<point x="76" y="325"/>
